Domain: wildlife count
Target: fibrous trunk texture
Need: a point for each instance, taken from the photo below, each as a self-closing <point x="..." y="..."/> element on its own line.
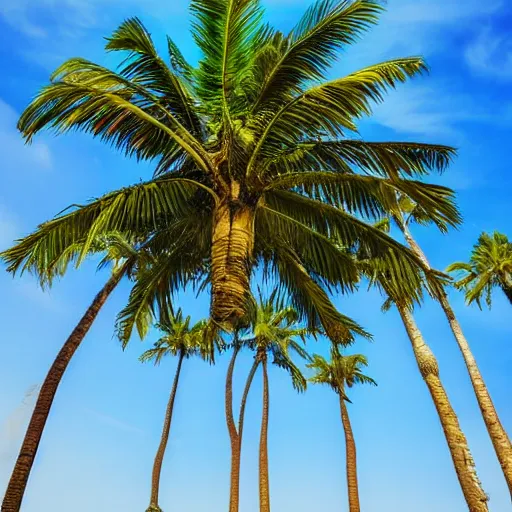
<point x="497" y="433"/>
<point x="476" y="498"/>
<point x="19" y="478"/>
<point x="232" y="250"/>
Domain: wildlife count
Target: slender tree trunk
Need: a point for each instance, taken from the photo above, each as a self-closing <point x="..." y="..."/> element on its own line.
<point x="234" y="495"/>
<point x="232" y="250"/>
<point x="457" y="443"/>
<point x="263" y="480"/>
<point x="497" y="433"/>
<point x="353" y="491"/>
<point x="234" y="435"/>
<point x="19" y="478"/>
<point x="159" y="458"/>
<point x="506" y="286"/>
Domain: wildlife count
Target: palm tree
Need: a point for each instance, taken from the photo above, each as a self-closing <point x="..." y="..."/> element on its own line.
<point x="183" y="341"/>
<point x="407" y="213"/>
<point x="275" y="332"/>
<point x="337" y="373"/>
<point x="375" y="270"/>
<point x="126" y="258"/>
<point x="252" y="157"/>
<point x="490" y="266"/>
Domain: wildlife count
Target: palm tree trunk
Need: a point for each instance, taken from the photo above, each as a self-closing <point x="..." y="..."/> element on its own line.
<point x="506" y="286"/>
<point x="19" y="478"/>
<point x="497" y="433"/>
<point x="353" y="492"/>
<point x="263" y="479"/>
<point x="236" y="449"/>
<point x="457" y="443"/>
<point x="159" y="458"/>
<point x="234" y="494"/>
<point x="232" y="249"/>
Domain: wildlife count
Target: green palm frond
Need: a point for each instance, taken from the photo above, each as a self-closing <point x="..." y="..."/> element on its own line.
<point x="143" y="66"/>
<point x="330" y="108"/>
<point x="311" y="300"/>
<point x="227" y="32"/>
<point x="312" y="46"/>
<point x="87" y="97"/>
<point x="386" y="159"/>
<point x="131" y="210"/>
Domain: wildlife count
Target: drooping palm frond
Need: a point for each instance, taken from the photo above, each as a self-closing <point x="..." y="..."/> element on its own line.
<point x="330" y="108"/>
<point x="144" y="67"/>
<point x="134" y="210"/>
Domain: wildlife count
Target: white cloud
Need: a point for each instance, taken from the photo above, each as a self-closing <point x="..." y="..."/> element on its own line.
<point x="69" y="18"/>
<point x="427" y="111"/>
<point x="491" y="54"/>
<point x="16" y="155"/>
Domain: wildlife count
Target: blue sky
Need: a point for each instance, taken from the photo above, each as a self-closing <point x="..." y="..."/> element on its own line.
<point x="98" y="448"/>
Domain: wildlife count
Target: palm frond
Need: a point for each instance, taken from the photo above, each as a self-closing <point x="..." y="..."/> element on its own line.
<point x="330" y="108"/>
<point x="131" y="210"/>
<point x="313" y="45"/>
<point x="144" y="67"/>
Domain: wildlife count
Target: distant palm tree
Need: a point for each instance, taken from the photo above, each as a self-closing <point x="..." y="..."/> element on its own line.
<point x="182" y="341"/>
<point x="275" y="333"/>
<point x="490" y="266"/>
<point x="409" y="212"/>
<point x="126" y="258"/>
<point x="337" y="373"/>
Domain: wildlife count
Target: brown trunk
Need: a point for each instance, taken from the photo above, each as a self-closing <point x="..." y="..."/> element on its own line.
<point x="506" y="286"/>
<point x="236" y="437"/>
<point x="159" y="458"/>
<point x="19" y="478"/>
<point x="353" y="492"/>
<point x="232" y="249"/>
<point x="263" y="470"/>
<point x="498" y="435"/>
<point x="457" y="443"/>
<point x="234" y="497"/>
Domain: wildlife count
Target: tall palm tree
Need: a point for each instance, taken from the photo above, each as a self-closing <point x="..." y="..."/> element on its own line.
<point x="337" y="373"/>
<point x="476" y="498"/>
<point x="126" y="258"/>
<point x="251" y="149"/>
<point x="490" y="266"/>
<point x="407" y="213"/>
<point x="181" y="340"/>
<point x="275" y="332"/>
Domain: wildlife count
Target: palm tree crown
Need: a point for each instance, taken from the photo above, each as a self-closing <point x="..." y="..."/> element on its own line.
<point x="490" y="266"/>
<point x="255" y="152"/>
<point x="340" y="371"/>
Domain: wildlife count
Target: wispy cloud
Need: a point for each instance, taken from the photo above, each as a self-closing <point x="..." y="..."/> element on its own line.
<point x="16" y="155"/>
<point x="491" y="54"/>
<point x="428" y="110"/>
<point x="113" y="422"/>
<point x="11" y="432"/>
